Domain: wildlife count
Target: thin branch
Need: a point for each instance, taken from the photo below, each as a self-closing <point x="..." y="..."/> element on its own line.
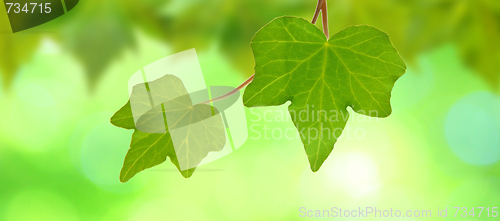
<point x="324" y="15"/>
<point x="316" y="12"/>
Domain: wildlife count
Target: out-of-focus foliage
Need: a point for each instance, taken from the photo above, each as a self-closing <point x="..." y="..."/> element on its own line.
<point x="14" y="49"/>
<point x="418" y="25"/>
<point x="197" y="23"/>
<point x="97" y="39"/>
<point x="96" y="32"/>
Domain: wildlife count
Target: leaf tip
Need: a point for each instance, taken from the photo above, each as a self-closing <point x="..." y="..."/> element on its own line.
<point x="314" y="167"/>
<point x="186" y="174"/>
<point x="124" y="179"/>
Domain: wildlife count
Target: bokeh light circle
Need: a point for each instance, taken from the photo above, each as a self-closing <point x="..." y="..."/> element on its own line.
<point x="472" y="128"/>
<point x="357" y="172"/>
<point x="102" y="153"/>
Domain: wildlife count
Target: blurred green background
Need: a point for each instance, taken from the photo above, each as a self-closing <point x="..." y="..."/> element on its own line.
<point x="61" y="81"/>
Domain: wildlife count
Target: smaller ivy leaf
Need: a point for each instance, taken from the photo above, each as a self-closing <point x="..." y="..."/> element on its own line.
<point x="123" y="118"/>
<point x="294" y="61"/>
<point x="148" y="150"/>
<point x="193" y="131"/>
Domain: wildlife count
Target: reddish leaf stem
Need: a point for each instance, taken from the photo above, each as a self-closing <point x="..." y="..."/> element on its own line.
<point x="316" y="12"/>
<point x="234" y="91"/>
<point x="324" y="16"/>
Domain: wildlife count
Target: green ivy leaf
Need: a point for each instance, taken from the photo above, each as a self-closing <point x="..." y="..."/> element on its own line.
<point x="355" y="68"/>
<point x="199" y="127"/>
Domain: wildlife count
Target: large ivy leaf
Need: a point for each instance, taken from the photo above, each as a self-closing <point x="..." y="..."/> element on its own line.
<point x="355" y="68"/>
<point x="198" y="128"/>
